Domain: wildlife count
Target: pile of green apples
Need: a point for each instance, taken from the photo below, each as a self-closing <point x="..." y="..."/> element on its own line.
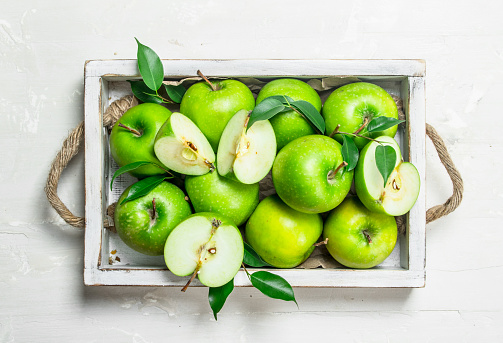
<point x="206" y="162"/>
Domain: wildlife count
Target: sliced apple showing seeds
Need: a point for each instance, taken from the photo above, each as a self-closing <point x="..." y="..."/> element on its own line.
<point x="205" y="244"/>
<point x="182" y="147"/>
<point x="402" y="187"/>
<point x="246" y="155"/>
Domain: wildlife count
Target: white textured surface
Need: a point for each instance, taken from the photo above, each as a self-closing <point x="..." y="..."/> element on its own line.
<point x="43" y="46"/>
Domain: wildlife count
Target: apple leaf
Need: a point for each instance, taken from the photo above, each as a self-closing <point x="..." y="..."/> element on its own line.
<point x="253" y="259"/>
<point x="385" y="157"/>
<point x="350" y="152"/>
<point x="272" y="285"/>
<point x="142" y="92"/>
<point x="150" y="67"/>
<point x="128" y="168"/>
<point x="382" y="123"/>
<point x="218" y="295"/>
<point x="143" y="187"/>
<point x="284" y="99"/>
<point x="311" y="113"/>
<point x="175" y="92"/>
<point x="265" y="110"/>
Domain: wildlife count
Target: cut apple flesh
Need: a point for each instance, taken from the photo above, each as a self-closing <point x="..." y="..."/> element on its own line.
<point x="402" y="190"/>
<point x="216" y="251"/>
<point x="182" y="147"/>
<point x="246" y="155"/>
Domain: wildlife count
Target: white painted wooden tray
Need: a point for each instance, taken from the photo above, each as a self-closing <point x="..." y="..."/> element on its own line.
<point x="109" y="262"/>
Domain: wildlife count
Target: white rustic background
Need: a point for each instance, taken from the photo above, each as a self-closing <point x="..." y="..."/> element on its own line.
<point x="43" y="46"/>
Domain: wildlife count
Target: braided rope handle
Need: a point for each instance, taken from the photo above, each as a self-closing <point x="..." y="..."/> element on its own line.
<point x="72" y="144"/>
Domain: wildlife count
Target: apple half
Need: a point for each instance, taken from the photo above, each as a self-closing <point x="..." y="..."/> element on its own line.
<point x="205" y="244"/>
<point x="402" y="187"/>
<point x="246" y="155"/>
<point x="183" y="148"/>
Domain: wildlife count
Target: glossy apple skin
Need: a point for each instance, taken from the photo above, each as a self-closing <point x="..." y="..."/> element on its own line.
<point x="282" y="236"/>
<point x="127" y="148"/>
<point x="135" y="226"/>
<point x="290" y="125"/>
<point x="300" y="174"/>
<point x="214" y="193"/>
<point x="347" y="242"/>
<point x="350" y="104"/>
<point x="211" y="110"/>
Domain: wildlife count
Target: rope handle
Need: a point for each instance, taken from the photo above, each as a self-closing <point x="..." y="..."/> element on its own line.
<point x="73" y="142"/>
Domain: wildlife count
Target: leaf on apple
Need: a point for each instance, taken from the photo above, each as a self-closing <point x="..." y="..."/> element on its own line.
<point x="385" y="157"/>
<point x="142" y="92"/>
<point x="382" y="123"/>
<point x="150" y="67"/>
<point x="272" y="285"/>
<point x="265" y="110"/>
<point x="132" y="166"/>
<point x="218" y="295"/>
<point x="284" y="99"/>
<point x="311" y="113"/>
<point x="143" y="187"/>
<point x="253" y="259"/>
<point x="350" y="152"/>
<point x="175" y="93"/>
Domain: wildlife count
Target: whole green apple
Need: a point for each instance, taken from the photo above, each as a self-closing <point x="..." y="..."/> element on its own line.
<point x="308" y="174"/>
<point x="357" y="237"/>
<point x="205" y="244"/>
<point x="353" y="106"/>
<point x="145" y="223"/>
<point x="282" y="236"/>
<point x="132" y="137"/>
<point x="211" y="109"/>
<point x="290" y="125"/>
<point x="214" y="193"/>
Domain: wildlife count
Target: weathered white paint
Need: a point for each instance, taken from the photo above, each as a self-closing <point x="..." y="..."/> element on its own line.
<point x="43" y="46"/>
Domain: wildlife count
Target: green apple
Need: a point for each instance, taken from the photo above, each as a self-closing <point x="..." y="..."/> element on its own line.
<point x="282" y="236"/>
<point x="308" y="174"/>
<point x="290" y="125"/>
<point x="210" y="109"/>
<point x="205" y="244"/>
<point x="354" y="105"/>
<point x="182" y="147"/>
<point x="246" y="155"/>
<point x="145" y="223"/>
<point x="357" y="237"/>
<point x="214" y="193"/>
<point x="402" y="187"/>
<point x="132" y="137"/>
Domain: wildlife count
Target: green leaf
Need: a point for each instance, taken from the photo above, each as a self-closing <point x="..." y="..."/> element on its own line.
<point x="175" y="93"/>
<point x="311" y="113"/>
<point x="142" y="92"/>
<point x="253" y="259"/>
<point x="143" y="187"/>
<point x="265" y="110"/>
<point x="350" y="152"/>
<point x="218" y="295"/>
<point x="128" y="168"/>
<point x="272" y="285"/>
<point x="150" y="67"/>
<point x="382" y="123"/>
<point x="385" y="157"/>
<point x="284" y="99"/>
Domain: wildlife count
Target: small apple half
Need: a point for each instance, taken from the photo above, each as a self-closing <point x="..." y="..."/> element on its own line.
<point x="246" y="155"/>
<point x="402" y="187"/>
<point x="205" y="244"/>
<point x="183" y="148"/>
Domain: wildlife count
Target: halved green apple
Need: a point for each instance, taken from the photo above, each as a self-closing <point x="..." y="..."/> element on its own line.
<point x="246" y="155"/>
<point x="182" y="147"/>
<point x="402" y="187"/>
<point x="205" y="244"/>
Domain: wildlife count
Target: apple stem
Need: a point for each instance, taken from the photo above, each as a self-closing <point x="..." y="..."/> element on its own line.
<point x="367" y="236"/>
<point x="191" y="278"/>
<point x="365" y="122"/>
<point x="213" y="87"/>
<point x="133" y="131"/>
<point x="153" y="208"/>
<point x="336" y="131"/>
<point x="332" y="173"/>
<point x="325" y="242"/>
